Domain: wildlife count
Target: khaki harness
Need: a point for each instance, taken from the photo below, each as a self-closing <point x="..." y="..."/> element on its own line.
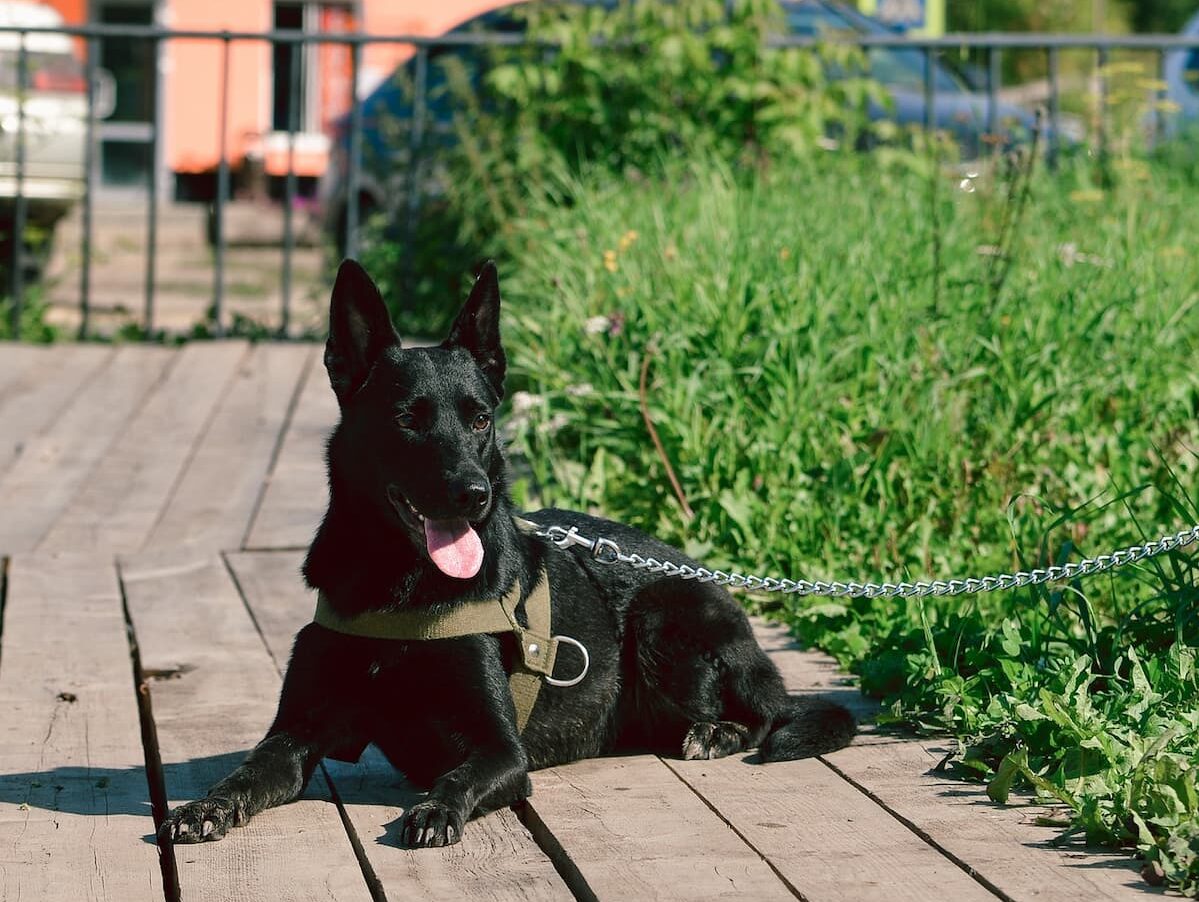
<point x="538" y="645"/>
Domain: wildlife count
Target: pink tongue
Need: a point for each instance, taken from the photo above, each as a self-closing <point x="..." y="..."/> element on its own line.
<point x="454" y="547"/>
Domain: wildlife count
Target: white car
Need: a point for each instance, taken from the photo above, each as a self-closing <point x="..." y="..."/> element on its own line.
<point x="55" y="112"/>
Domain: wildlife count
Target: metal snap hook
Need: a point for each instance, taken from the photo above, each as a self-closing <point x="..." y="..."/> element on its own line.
<point x="586" y="664"/>
<point x="605" y="551"/>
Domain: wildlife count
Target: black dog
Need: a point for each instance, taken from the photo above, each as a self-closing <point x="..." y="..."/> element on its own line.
<point x="419" y="520"/>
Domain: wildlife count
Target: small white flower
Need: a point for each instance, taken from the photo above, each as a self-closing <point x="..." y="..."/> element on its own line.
<point x="554" y="424"/>
<point x="523" y="402"/>
<point x="595" y="325"/>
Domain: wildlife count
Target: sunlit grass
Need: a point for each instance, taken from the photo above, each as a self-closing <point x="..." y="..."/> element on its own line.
<point x="826" y="420"/>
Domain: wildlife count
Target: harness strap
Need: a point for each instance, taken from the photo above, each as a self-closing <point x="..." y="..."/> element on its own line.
<point x="538" y="645"/>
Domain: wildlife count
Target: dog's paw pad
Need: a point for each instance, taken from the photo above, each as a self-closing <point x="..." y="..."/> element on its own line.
<point x="204" y="820"/>
<point x="430" y="823"/>
<point x="714" y="740"/>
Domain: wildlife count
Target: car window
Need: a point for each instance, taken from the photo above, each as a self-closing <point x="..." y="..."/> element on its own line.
<point x="1190" y="71"/>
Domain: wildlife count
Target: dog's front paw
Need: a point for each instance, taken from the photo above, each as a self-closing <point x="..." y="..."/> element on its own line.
<point x="714" y="740"/>
<point x="430" y="823"/>
<point x="200" y="821"/>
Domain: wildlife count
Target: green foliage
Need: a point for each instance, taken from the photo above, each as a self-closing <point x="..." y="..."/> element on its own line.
<point x="33" y="326"/>
<point x="826" y="420"/>
<point x="618" y="88"/>
<point x="1166" y="16"/>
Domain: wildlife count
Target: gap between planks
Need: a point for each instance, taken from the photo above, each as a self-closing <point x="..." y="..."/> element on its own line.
<point x="75" y="819"/>
<point x="285" y="430"/>
<point x="214" y="499"/>
<point x="297" y="489"/>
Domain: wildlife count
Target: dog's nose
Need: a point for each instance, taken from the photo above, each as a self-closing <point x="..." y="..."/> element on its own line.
<point x="473" y="497"/>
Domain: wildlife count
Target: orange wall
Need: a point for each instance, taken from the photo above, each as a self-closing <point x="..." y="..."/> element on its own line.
<point x="193" y="82"/>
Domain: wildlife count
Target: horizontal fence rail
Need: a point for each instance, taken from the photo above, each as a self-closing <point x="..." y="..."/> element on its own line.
<point x="991" y="44"/>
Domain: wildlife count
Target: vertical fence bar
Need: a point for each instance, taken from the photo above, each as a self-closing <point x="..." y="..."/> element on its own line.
<point x="416" y="146"/>
<point x="17" y="276"/>
<point x="89" y="163"/>
<point x="1159" y="96"/>
<point x="355" y="153"/>
<point x="152" y="195"/>
<point x="934" y="202"/>
<point x="1101" y="105"/>
<point x="930" y="96"/>
<point x="222" y="189"/>
<point x="289" y="187"/>
<point x="1054" y="105"/>
<point x="994" y="79"/>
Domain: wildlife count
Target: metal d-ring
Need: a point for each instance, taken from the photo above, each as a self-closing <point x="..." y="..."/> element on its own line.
<point x="586" y="663"/>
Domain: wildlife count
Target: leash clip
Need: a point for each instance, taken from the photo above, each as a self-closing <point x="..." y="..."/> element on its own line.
<point x="586" y="664"/>
<point x="605" y="551"/>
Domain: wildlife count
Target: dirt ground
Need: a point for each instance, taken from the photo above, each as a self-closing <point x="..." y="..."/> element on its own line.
<point x="184" y="272"/>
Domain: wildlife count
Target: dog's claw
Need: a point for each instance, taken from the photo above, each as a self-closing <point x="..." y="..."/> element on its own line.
<point x="714" y="740"/>
<point x="204" y="820"/>
<point x="430" y="824"/>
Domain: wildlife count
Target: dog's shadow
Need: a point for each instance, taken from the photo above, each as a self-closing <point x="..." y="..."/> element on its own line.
<point x="110" y="792"/>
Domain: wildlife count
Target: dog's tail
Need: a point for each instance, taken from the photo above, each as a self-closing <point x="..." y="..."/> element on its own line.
<point x="808" y="726"/>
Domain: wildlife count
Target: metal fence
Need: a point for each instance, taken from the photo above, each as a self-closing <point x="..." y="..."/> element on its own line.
<point x="991" y="45"/>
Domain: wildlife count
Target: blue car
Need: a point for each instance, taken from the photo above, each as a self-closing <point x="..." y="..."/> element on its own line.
<point x="387" y="110"/>
<point x="1182" y="77"/>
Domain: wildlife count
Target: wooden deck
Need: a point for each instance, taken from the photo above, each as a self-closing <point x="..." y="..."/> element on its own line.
<point x="154" y="505"/>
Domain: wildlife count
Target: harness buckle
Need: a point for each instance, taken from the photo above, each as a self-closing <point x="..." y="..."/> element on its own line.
<point x="586" y="664"/>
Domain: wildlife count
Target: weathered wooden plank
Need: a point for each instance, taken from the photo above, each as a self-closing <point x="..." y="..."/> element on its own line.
<point x="1000" y="844"/>
<point x="75" y="820"/>
<point x="216" y="496"/>
<point x="16" y="361"/>
<point x="297" y="491"/>
<point x="496" y="859"/>
<point x="39" y="383"/>
<point x="122" y="497"/>
<point x="806" y="671"/>
<point x="213" y="700"/>
<point x="632" y="830"/>
<point x="15" y="358"/>
<point x="53" y="465"/>
<point x="828" y="839"/>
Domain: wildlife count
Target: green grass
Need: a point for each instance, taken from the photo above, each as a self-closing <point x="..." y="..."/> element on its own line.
<point x="827" y="417"/>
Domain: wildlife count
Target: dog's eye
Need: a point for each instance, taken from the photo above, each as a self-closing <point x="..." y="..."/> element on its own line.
<point x="481" y="423"/>
<point x="406" y="420"/>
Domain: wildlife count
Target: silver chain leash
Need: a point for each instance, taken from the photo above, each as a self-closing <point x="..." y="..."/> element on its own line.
<point x="608" y="552"/>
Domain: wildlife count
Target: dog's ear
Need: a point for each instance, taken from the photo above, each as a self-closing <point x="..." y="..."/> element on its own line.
<point x="360" y="330"/>
<point x="477" y="327"/>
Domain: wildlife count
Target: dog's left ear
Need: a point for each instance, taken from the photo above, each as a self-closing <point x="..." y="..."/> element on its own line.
<point x="477" y="327"/>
